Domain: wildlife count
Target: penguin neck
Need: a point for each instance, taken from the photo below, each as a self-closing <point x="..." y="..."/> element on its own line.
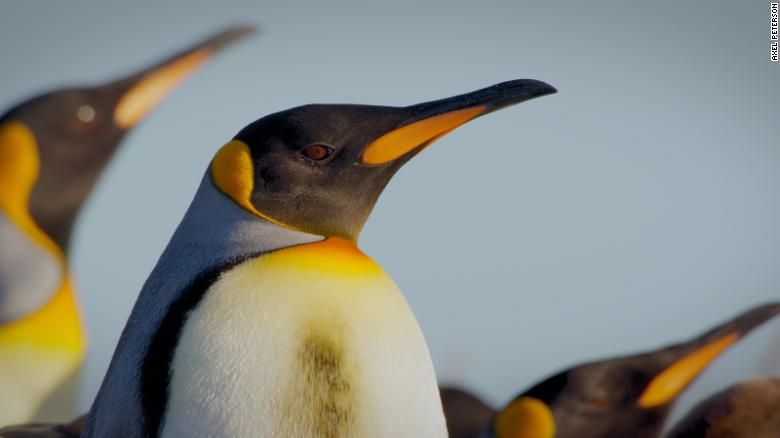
<point x="59" y="195"/>
<point x="216" y="231"/>
<point x="33" y="271"/>
<point x="214" y="234"/>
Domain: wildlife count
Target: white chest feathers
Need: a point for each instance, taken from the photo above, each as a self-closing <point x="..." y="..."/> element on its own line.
<point x="311" y="341"/>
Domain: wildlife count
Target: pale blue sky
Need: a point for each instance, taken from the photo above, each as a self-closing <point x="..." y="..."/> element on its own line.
<point x="635" y="208"/>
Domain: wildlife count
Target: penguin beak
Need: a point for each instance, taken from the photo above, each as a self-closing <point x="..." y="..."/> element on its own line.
<point x="429" y="121"/>
<point x="681" y="364"/>
<point x="146" y="89"/>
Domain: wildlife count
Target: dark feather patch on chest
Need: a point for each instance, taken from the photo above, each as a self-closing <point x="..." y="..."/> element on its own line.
<point x="324" y="393"/>
<point x="156" y="369"/>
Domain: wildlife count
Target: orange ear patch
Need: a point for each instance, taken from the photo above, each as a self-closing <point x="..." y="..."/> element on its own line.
<point x="526" y="417"/>
<point x="19" y="168"/>
<point x="19" y="165"/>
<point x="233" y="174"/>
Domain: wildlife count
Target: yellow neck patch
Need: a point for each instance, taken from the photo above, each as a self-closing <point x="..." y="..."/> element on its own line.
<point x="19" y="167"/>
<point x="55" y="325"/>
<point x="332" y="254"/>
<point x="668" y="385"/>
<point x="526" y="417"/>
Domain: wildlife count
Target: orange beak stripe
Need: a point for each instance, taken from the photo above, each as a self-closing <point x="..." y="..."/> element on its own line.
<point x="671" y="381"/>
<point x="400" y="141"/>
<point x="151" y="90"/>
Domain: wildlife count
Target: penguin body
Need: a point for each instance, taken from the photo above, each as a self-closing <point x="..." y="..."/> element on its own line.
<point x="262" y="317"/>
<point x="334" y="368"/>
<point x="41" y="341"/>
<point x="749" y="409"/>
<point x="53" y="149"/>
<point x="316" y="312"/>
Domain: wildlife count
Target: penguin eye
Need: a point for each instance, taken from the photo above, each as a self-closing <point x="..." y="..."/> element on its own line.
<point x="85" y="113"/>
<point x="83" y="120"/>
<point x="317" y="152"/>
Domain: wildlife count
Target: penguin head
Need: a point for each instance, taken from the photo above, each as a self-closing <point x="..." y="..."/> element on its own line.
<point x="72" y="133"/>
<point x="626" y="396"/>
<point x="321" y="168"/>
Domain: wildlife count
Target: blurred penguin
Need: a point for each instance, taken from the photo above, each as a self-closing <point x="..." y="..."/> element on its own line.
<point x="53" y="148"/>
<point x="629" y="396"/>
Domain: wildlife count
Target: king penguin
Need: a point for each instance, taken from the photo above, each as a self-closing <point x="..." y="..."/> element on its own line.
<point x="262" y="318"/>
<point x="52" y="150"/>
<point x="629" y="396"/>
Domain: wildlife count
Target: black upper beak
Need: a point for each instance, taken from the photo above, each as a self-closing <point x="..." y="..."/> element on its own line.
<point x="209" y="45"/>
<point x="141" y="92"/>
<point x="741" y="325"/>
<point x="491" y="98"/>
<point x="429" y="121"/>
<point x="680" y="364"/>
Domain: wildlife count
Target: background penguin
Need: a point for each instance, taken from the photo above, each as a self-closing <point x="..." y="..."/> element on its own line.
<point x="52" y="150"/>
<point x="45" y="430"/>
<point x="467" y="416"/>
<point x="627" y="396"/>
<point x="262" y="317"/>
<point x="749" y="409"/>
